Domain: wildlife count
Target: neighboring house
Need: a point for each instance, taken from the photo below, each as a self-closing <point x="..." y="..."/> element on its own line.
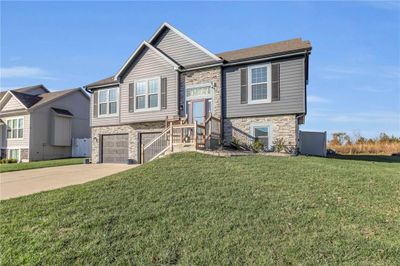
<point x="36" y="124"/>
<point x="253" y="93"/>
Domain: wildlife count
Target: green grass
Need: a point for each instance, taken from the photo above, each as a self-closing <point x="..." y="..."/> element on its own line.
<point x="195" y="209"/>
<point x="10" y="167"/>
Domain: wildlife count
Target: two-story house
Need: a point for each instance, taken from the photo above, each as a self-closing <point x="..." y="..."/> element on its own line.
<point x="252" y="93"/>
<point x="36" y="124"/>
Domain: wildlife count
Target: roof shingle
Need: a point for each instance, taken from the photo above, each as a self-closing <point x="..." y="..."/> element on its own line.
<point x="62" y="111"/>
<point x="102" y="82"/>
<point x="26" y="99"/>
<point x="265" y="50"/>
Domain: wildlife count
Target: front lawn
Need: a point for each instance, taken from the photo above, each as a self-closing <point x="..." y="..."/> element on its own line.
<point x="195" y="209"/>
<point x="10" y="167"/>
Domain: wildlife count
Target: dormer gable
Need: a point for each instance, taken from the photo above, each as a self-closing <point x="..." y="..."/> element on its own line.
<point x="180" y="48"/>
<point x="144" y="46"/>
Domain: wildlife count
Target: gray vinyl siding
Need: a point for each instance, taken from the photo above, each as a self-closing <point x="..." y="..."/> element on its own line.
<point x="105" y="120"/>
<point x="180" y="50"/>
<point x="3" y="142"/>
<point x="148" y="65"/>
<point x="13" y="104"/>
<point x="292" y="92"/>
<point x="41" y="126"/>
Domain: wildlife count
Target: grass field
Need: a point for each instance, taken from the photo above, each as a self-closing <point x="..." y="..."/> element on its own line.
<point x="195" y="209"/>
<point x="10" y="167"/>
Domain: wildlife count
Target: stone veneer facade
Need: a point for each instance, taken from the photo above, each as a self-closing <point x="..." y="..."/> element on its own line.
<point x="24" y="155"/>
<point x="133" y="131"/>
<point x="201" y="76"/>
<point x="282" y="126"/>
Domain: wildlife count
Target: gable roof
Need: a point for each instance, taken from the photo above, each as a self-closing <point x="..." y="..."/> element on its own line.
<point x="166" y="25"/>
<point x="34" y="101"/>
<point x="137" y="52"/>
<point x="24" y="90"/>
<point x="2" y="93"/>
<point x="51" y="96"/>
<point x="102" y="82"/>
<point x="30" y="88"/>
<point x="272" y="49"/>
<point x="26" y="100"/>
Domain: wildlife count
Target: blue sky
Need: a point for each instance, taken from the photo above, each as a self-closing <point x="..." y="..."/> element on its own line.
<point x="354" y="69"/>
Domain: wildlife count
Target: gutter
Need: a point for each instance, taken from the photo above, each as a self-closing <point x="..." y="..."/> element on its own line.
<point x="200" y="67"/>
<point x="266" y="58"/>
<point x="89" y="89"/>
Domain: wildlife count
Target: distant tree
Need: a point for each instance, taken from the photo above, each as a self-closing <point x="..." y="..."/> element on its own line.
<point x="360" y="140"/>
<point x="338" y="138"/>
<point x="384" y="138"/>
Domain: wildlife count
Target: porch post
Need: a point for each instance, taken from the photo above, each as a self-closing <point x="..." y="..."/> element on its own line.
<point x="195" y="134"/>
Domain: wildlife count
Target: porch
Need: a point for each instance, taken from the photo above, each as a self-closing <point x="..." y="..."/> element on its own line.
<point x="180" y="135"/>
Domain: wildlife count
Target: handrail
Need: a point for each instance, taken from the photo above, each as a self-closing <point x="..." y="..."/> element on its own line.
<point x="183" y="126"/>
<point x="156" y="138"/>
<point x="201" y="136"/>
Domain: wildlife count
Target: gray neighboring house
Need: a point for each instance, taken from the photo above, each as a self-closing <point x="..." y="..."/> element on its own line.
<point x="254" y="93"/>
<point x="36" y="124"/>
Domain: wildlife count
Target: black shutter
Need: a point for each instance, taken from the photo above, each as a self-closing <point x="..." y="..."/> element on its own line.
<point x="95" y="101"/>
<point x="243" y="85"/>
<point x="164" y="93"/>
<point x="131" y="97"/>
<point x="276" y="83"/>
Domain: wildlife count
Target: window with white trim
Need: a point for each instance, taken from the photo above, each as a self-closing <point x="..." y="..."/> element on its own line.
<point x="258" y="83"/>
<point x="108" y="102"/>
<point x="15" y="128"/>
<point x="262" y="134"/>
<point x="147" y="94"/>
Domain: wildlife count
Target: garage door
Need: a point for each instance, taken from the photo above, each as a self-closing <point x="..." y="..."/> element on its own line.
<point x="145" y="138"/>
<point x="115" y="148"/>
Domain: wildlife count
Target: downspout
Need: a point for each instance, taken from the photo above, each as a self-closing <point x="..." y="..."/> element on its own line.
<point x="178" y="93"/>
<point x="222" y="105"/>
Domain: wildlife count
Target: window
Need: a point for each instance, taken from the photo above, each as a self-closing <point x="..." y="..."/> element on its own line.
<point x="198" y="91"/>
<point x="259" y="84"/>
<point x="147" y="94"/>
<point x="108" y="102"/>
<point x="15" y="128"/>
<point x="13" y="154"/>
<point x="262" y="134"/>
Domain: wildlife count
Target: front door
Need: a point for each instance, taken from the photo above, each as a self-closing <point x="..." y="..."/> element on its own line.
<point x="199" y="110"/>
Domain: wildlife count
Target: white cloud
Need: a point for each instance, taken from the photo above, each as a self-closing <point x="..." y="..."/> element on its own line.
<point x="338" y="72"/>
<point x="24" y="72"/>
<point x="316" y="99"/>
<point x="359" y="117"/>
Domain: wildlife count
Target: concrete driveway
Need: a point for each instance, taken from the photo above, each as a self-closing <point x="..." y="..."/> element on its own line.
<point x="20" y="183"/>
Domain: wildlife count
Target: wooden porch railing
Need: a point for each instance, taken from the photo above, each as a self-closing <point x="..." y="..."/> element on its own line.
<point x="199" y="136"/>
<point x="156" y="147"/>
<point x="212" y="132"/>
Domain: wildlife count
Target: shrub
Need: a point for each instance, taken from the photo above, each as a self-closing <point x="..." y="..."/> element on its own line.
<point x="257" y="146"/>
<point x="5" y="160"/>
<point x="279" y="144"/>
